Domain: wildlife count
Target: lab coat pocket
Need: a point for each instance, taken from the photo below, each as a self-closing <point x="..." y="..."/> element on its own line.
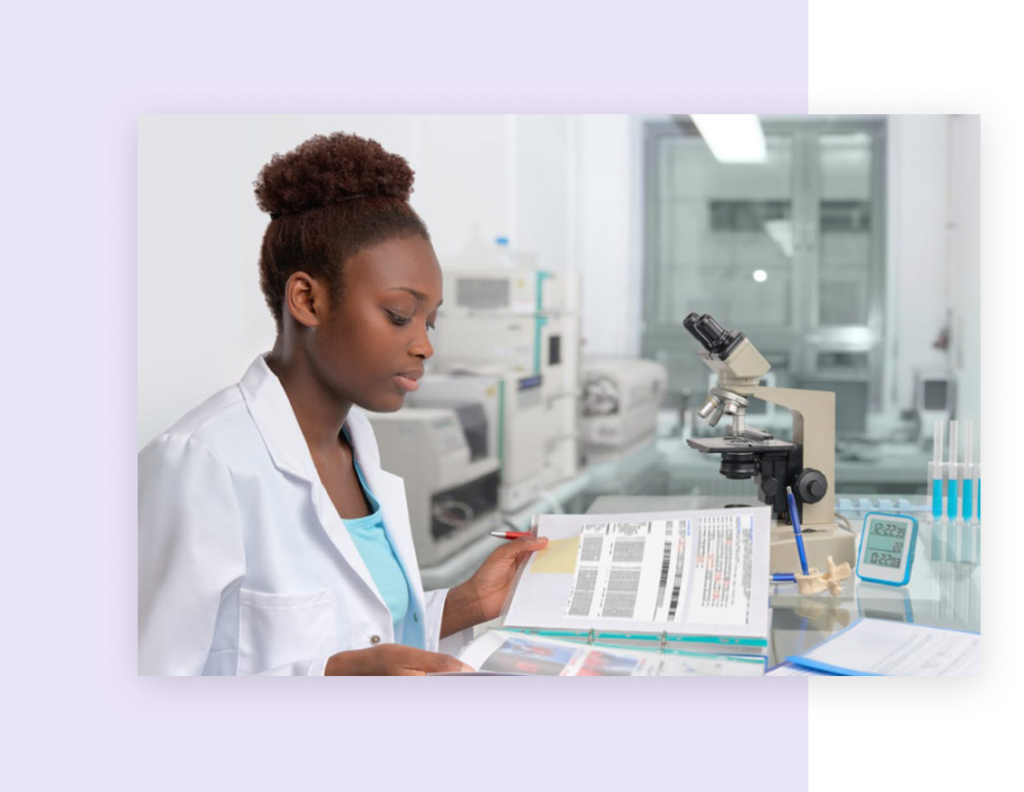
<point x="275" y="629"/>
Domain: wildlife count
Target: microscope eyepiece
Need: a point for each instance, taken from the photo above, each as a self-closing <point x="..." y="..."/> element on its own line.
<point x="712" y="336"/>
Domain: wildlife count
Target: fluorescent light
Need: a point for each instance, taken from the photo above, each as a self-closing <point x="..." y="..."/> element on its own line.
<point x="733" y="138"/>
<point x="760" y="276"/>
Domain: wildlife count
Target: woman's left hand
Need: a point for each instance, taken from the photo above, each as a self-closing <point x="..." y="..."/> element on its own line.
<point x="480" y="598"/>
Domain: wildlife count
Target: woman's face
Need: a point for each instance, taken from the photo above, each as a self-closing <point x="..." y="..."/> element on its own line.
<point x="372" y="347"/>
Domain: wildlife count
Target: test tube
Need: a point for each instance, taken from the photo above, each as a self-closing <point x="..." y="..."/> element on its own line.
<point x="936" y="538"/>
<point x="967" y="540"/>
<point x="977" y="492"/>
<point x="952" y="540"/>
<point x="977" y="511"/>
<point x="935" y="474"/>
<point x="952" y="474"/>
<point x="967" y="473"/>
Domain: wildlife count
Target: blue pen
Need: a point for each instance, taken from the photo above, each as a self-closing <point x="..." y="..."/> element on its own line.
<point x="794" y="516"/>
<point x="783" y="577"/>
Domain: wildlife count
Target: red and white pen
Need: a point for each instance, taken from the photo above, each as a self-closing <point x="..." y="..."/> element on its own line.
<point x="510" y="534"/>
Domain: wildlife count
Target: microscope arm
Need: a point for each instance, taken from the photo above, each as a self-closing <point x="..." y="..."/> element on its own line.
<point x="814" y="428"/>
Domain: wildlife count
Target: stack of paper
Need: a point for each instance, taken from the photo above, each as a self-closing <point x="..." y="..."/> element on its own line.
<point x="877" y="647"/>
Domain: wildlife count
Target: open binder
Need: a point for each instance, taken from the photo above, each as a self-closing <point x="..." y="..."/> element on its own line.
<point x="513" y="652"/>
<point x="694" y="581"/>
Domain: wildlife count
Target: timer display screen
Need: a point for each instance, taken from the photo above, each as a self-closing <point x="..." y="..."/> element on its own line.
<point x="885" y="544"/>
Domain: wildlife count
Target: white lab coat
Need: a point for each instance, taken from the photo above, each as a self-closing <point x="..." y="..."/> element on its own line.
<point x="245" y="566"/>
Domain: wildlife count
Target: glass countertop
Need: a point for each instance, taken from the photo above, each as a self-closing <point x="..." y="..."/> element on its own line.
<point x="944" y="588"/>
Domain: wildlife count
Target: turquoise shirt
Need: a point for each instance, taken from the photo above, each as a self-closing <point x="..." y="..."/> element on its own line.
<point x="372" y="542"/>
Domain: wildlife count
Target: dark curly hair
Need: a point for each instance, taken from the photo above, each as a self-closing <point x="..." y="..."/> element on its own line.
<point x="330" y="198"/>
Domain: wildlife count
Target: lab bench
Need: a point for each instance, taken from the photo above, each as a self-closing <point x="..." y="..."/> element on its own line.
<point x="944" y="588"/>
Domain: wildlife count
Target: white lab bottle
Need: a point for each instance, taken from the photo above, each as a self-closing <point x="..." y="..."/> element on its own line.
<point x="504" y="257"/>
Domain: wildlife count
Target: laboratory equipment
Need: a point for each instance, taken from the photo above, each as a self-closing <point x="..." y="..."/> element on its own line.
<point x="887" y="549"/>
<point x="451" y="480"/>
<point x="936" y="473"/>
<point x="934" y="396"/>
<point x="968" y="537"/>
<point x="768" y="416"/>
<point x="517" y="429"/>
<point x="807" y="464"/>
<point x="952" y="474"/>
<point x="546" y="345"/>
<point x="967" y="472"/>
<point x="528" y="320"/>
<point x="936" y="538"/>
<point x="977" y="492"/>
<point x="864" y="505"/>
<point x="853" y="394"/>
<point x="620" y="403"/>
<point x="953" y="542"/>
<point x="519" y="290"/>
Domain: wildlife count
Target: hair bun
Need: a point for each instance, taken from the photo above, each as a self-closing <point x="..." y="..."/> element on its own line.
<point x="329" y="169"/>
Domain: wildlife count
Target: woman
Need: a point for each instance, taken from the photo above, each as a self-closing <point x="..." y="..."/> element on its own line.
<point x="270" y="540"/>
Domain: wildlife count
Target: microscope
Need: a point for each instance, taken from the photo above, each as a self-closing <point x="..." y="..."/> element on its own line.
<point x="807" y="464"/>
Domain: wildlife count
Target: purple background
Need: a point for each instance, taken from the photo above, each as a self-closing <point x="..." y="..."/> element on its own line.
<point x="78" y="78"/>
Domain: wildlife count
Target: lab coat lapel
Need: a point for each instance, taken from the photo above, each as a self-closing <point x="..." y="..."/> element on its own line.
<point x="389" y="490"/>
<point x="272" y="413"/>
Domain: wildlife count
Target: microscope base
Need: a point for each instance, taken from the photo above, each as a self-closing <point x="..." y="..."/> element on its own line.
<point x="820" y="542"/>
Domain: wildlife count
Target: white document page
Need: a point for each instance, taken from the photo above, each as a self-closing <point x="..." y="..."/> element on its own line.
<point x="505" y="652"/>
<point x="693" y="573"/>
<point x="891" y="648"/>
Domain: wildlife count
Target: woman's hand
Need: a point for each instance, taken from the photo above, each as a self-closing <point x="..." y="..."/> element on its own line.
<point x="480" y="598"/>
<point x="392" y="660"/>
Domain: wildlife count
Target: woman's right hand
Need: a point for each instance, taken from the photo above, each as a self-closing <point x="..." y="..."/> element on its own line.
<point x="392" y="660"/>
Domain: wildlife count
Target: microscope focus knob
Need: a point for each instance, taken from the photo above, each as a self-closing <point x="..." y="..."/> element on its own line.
<point x="811" y="485"/>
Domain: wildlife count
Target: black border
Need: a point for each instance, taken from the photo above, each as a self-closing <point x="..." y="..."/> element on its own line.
<point x="962" y="698"/>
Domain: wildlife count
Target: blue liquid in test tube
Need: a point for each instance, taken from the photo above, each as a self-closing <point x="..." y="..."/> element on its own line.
<point x="936" y="476"/>
<point x="976" y="480"/>
<point x="935" y="473"/>
<point x="953" y="471"/>
<point x="967" y="472"/>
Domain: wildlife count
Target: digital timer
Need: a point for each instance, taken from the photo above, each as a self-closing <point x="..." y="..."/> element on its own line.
<point x="887" y="548"/>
